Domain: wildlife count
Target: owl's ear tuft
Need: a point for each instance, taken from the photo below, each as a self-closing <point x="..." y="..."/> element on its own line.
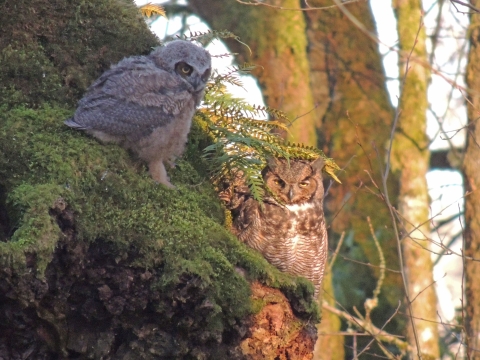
<point x="273" y="162"/>
<point x="318" y="164"/>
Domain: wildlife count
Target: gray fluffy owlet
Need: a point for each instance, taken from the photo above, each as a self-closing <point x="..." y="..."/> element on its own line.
<point x="289" y="229"/>
<point x="146" y="103"/>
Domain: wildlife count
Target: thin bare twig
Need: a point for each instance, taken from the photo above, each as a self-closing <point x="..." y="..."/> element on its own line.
<point x="370" y="304"/>
<point x="369" y="265"/>
<point x="300" y="116"/>
<point x="308" y="8"/>
<point x="462" y="301"/>
<point x="334" y="257"/>
<point x="387" y="198"/>
<point x="471" y="7"/>
<point x="372" y="329"/>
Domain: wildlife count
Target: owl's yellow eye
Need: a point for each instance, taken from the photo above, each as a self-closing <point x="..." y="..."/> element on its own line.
<point x="303" y="184"/>
<point x="183" y="69"/>
<point x="278" y="182"/>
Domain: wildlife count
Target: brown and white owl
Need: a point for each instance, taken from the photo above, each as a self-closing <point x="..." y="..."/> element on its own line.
<point x="146" y="103"/>
<point x="288" y="229"/>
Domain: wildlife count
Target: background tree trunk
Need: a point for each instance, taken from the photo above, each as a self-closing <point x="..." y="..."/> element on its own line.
<point x="410" y="158"/>
<point x="471" y="169"/>
<point x="329" y="345"/>
<point x="278" y="43"/>
<point x="348" y="84"/>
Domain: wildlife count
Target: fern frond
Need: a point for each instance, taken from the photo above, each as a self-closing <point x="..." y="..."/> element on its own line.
<point x="247" y="67"/>
<point x="221" y="56"/>
<point x="244" y="136"/>
<point x="152" y="9"/>
<point x="209" y="35"/>
<point x="205" y="37"/>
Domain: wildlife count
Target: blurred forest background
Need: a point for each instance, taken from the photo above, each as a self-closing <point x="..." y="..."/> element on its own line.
<point x="389" y="92"/>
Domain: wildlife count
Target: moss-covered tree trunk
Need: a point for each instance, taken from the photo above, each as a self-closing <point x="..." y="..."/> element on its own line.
<point x="410" y="158"/>
<point x="96" y="260"/>
<point x="471" y="169"/>
<point x="279" y="46"/>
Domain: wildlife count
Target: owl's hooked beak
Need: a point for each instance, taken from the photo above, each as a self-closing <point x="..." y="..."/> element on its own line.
<point x="197" y="83"/>
<point x="290" y="193"/>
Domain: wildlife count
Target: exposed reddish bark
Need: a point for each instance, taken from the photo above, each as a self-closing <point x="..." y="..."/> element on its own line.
<point x="276" y="333"/>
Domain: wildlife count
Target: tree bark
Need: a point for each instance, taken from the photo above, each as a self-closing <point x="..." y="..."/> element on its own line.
<point x="410" y="158"/>
<point x="349" y="65"/>
<point x="471" y="170"/>
<point x="348" y="85"/>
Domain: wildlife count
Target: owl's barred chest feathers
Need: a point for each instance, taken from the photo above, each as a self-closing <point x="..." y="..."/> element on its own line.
<point x="287" y="234"/>
<point x="304" y="222"/>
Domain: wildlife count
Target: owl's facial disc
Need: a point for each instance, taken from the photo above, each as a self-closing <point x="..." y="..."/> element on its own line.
<point x="295" y="192"/>
<point x="206" y="75"/>
<point x="192" y="76"/>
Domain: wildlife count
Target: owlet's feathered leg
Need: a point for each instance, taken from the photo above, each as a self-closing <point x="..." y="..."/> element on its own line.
<point x="159" y="174"/>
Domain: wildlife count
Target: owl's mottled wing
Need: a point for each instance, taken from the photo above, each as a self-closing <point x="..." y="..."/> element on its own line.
<point x="131" y="99"/>
<point x="234" y="190"/>
<point x="247" y="223"/>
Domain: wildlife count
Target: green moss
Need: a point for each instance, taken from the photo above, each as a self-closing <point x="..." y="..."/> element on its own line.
<point x="257" y="305"/>
<point x="35" y="74"/>
<point x="52" y="50"/>
<point x="44" y="165"/>
<point x="37" y="233"/>
<point x="114" y="199"/>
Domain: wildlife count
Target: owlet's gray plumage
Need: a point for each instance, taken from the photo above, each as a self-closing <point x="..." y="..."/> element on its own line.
<point x="289" y="229"/>
<point x="146" y="103"/>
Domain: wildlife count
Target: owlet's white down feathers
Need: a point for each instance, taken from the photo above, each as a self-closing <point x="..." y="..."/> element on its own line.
<point x="146" y="103"/>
